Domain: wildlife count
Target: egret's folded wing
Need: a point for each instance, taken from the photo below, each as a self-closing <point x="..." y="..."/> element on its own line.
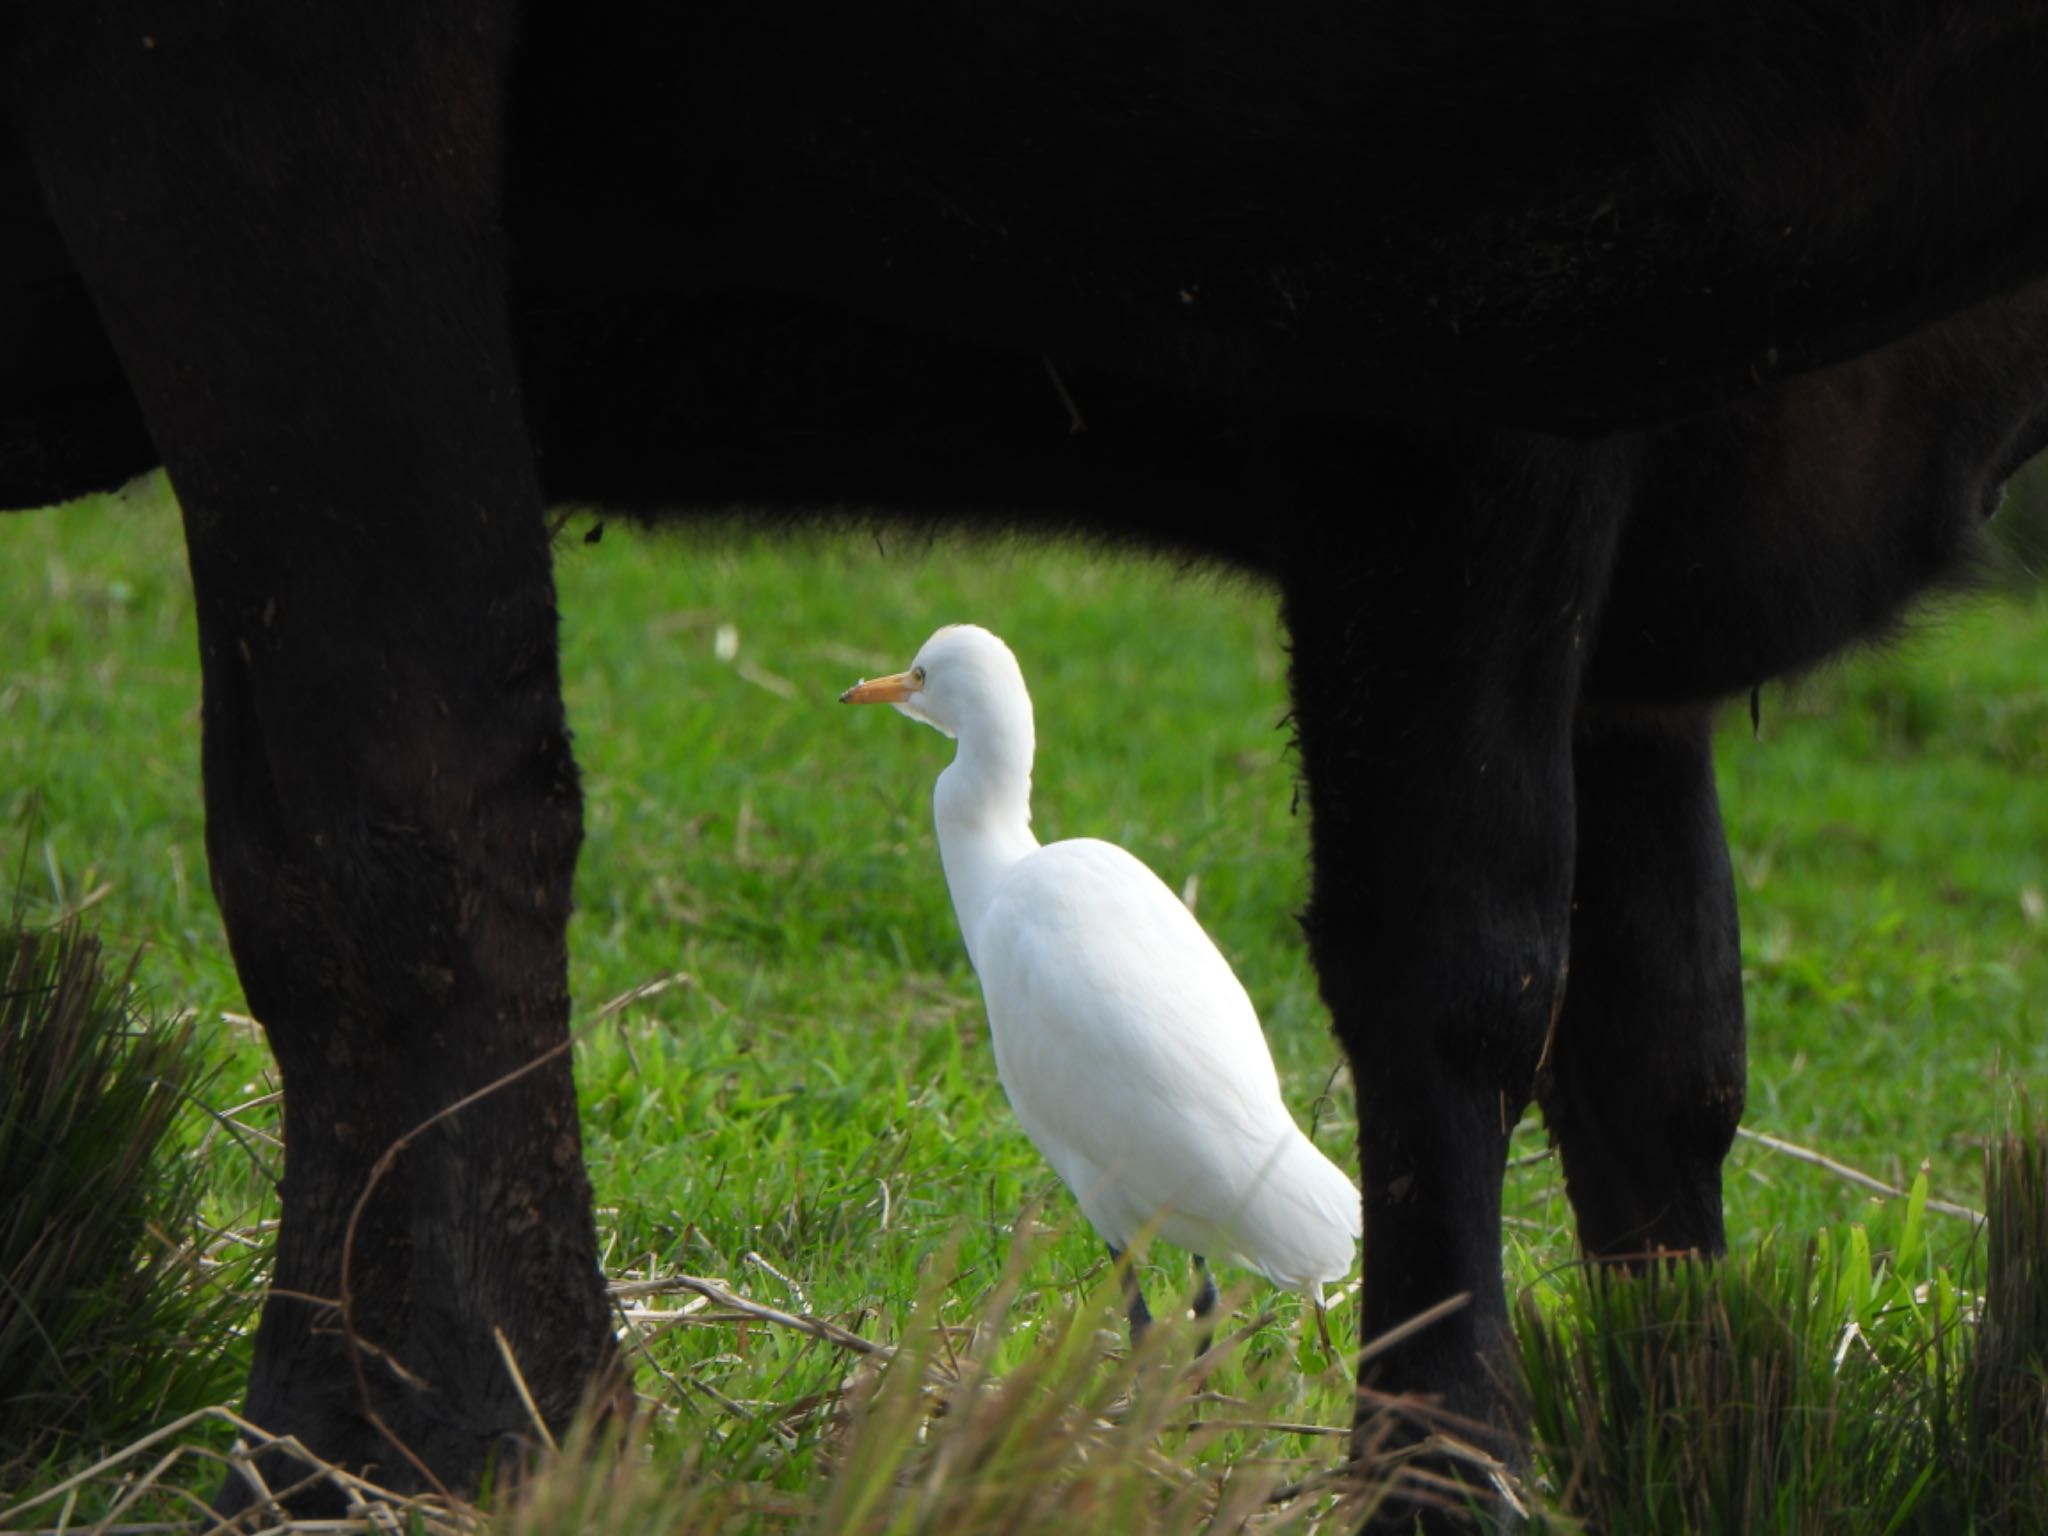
<point x="1124" y="1040"/>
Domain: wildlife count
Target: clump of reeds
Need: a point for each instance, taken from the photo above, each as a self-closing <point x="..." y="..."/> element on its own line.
<point x="1834" y="1390"/>
<point x="103" y="1331"/>
<point x="2006" y="1403"/>
<point x="1796" y="1393"/>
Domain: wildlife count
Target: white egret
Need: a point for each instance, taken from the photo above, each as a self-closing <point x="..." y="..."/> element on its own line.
<point x="1126" y="1044"/>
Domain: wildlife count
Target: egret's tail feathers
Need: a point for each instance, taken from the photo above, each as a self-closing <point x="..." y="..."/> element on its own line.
<point x="1304" y="1232"/>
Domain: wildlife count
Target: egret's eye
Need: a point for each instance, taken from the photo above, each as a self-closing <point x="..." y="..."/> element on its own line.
<point x="917" y="677"/>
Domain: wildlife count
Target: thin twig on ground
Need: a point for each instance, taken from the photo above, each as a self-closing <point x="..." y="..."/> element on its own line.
<point x="817" y="1327"/>
<point x="357" y="1346"/>
<point x="1855" y="1176"/>
<point x="431" y="1515"/>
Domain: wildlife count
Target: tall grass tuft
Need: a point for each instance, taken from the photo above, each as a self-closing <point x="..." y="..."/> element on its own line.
<point x="2007" y="1377"/>
<point x="104" y="1331"/>
<point x="1768" y="1394"/>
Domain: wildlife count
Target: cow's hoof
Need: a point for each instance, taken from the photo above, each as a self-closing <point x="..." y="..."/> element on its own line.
<point x="1434" y="1481"/>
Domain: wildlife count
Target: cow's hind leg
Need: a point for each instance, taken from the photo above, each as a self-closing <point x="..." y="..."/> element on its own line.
<point x="287" y="217"/>
<point x="1437" y="639"/>
<point x="1643" y="1083"/>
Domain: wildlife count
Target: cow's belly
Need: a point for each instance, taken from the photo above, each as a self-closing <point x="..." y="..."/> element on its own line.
<point x="1769" y="535"/>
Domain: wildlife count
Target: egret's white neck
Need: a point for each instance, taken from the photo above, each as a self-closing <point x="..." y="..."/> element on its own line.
<point x="982" y="805"/>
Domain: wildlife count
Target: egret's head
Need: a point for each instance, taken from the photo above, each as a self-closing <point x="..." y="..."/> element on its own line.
<point x="963" y="679"/>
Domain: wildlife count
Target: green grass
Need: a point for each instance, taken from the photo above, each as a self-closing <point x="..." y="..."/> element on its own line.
<point x="1890" y="838"/>
<point x="812" y="1095"/>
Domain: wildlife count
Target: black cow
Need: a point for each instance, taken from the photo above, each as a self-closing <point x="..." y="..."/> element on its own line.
<point x="1528" y="349"/>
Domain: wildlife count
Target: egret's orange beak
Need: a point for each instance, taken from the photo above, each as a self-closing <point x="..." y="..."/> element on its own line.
<point x="893" y="689"/>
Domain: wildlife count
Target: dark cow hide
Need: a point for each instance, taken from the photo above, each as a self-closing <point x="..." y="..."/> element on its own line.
<point x="1567" y="367"/>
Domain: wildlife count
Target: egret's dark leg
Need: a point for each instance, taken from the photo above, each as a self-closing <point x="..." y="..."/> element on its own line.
<point x="1204" y="1303"/>
<point x="1323" y="1325"/>
<point x="1134" y="1294"/>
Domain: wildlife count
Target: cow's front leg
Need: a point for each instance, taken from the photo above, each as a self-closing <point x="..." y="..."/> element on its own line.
<point x="1437" y="640"/>
<point x="288" y="218"/>
<point x="1643" y="1084"/>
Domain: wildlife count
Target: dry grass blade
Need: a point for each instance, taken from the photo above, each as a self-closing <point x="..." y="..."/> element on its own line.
<point x="1855" y="1176"/>
<point x="634" y="994"/>
<point x="540" y="1425"/>
<point x="718" y="1295"/>
<point x="1381" y="1343"/>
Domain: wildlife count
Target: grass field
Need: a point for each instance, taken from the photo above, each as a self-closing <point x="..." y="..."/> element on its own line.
<point x="807" y="1107"/>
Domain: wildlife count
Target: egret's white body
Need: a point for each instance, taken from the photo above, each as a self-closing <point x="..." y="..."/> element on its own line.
<point x="1127" y="1046"/>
